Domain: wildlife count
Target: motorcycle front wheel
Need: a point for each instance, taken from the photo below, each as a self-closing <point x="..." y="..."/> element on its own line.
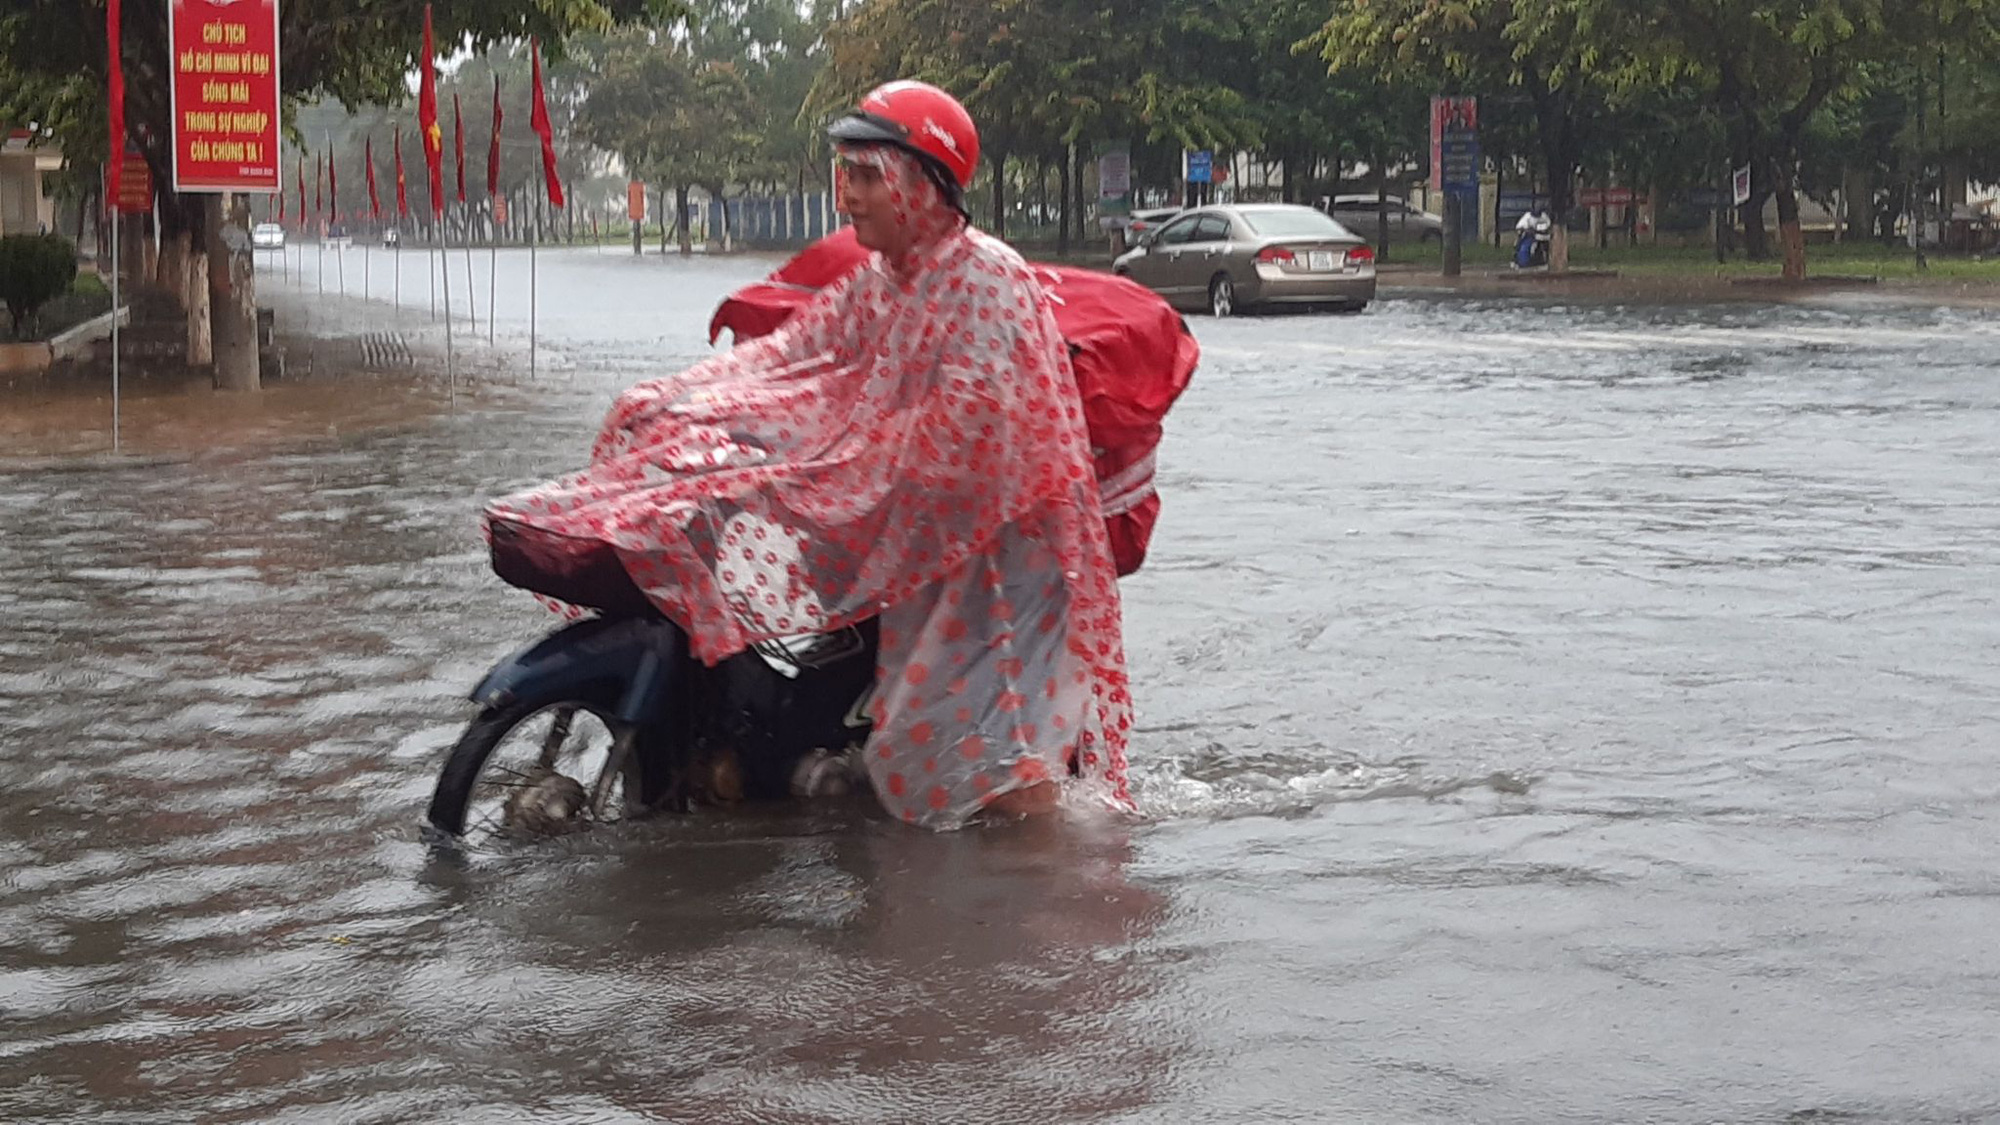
<point x="535" y="769"/>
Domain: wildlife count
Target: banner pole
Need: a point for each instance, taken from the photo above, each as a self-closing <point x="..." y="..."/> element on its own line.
<point x="534" y="241"/>
<point x="471" y="294"/>
<point x="116" y="438"/>
<point x="444" y="255"/>
<point x="492" y="275"/>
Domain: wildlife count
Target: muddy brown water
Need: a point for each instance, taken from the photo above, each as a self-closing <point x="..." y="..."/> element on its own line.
<point x="1549" y="713"/>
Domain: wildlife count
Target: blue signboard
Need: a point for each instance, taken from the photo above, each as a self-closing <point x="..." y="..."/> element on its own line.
<point x="1201" y="167"/>
<point x="1460" y="159"/>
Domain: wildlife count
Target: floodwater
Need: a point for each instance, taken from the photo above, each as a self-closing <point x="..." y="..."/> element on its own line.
<point x="1549" y="713"/>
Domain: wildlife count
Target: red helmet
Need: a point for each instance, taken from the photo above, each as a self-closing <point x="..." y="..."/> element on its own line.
<point x="917" y="117"/>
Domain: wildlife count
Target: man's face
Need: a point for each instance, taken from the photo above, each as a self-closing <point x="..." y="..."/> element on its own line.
<point x="865" y="199"/>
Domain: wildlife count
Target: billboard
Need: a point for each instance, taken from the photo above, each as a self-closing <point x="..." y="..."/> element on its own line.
<point x="224" y="95"/>
<point x="1455" y="144"/>
<point x="1114" y="183"/>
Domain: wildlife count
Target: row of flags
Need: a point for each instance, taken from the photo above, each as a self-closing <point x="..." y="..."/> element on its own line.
<point x="427" y="122"/>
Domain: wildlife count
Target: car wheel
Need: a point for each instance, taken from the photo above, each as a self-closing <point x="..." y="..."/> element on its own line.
<point x="1434" y="236"/>
<point x="1221" y="296"/>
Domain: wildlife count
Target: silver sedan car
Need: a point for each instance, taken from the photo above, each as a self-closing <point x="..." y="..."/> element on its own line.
<point x="1228" y="259"/>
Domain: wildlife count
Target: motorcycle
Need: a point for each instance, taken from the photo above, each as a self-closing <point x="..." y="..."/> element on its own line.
<point x="1531" y="245"/>
<point x="610" y="717"/>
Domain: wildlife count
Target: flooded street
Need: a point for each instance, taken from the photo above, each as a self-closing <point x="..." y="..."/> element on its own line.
<point x="1548" y="713"/>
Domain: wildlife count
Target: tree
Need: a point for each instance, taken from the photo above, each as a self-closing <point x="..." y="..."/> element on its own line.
<point x="34" y="270"/>
<point x="1546" y="49"/>
<point x="1772" y="65"/>
<point x="1041" y="76"/>
<point x="670" y="115"/>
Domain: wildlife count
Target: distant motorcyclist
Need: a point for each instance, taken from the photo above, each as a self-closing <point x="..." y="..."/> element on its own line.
<point x="1531" y="237"/>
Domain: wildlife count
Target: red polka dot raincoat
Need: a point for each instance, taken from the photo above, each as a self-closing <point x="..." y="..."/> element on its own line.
<point x="909" y="447"/>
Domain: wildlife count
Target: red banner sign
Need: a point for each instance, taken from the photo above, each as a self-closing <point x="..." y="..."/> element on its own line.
<point x="1607" y="197"/>
<point x="135" y="186"/>
<point x="225" y="94"/>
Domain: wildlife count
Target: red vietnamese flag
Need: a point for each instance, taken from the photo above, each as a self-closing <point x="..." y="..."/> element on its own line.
<point x="319" y="182"/>
<point x="368" y="158"/>
<point x="538" y="120"/>
<point x="402" y="188"/>
<point x="332" y="189"/>
<point x="302" y="186"/>
<point x="427" y="117"/>
<point x="114" y="42"/>
<point x="493" y="148"/>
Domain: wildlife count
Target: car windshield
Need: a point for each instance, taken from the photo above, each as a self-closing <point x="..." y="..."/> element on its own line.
<point x="1302" y="223"/>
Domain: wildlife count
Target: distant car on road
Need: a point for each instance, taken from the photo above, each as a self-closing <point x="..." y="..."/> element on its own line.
<point x="1359" y="214"/>
<point x="1228" y="259"/>
<point x="267" y="236"/>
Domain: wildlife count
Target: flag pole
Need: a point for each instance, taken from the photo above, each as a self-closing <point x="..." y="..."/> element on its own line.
<point x="450" y="363"/>
<point x="471" y="297"/>
<point x="492" y="272"/>
<point x="116" y="441"/>
<point x="534" y="240"/>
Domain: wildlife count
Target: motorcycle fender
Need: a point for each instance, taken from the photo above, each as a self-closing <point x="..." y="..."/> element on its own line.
<point x="585" y="656"/>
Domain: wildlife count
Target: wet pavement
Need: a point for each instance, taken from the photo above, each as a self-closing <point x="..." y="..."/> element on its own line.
<point x="1549" y="712"/>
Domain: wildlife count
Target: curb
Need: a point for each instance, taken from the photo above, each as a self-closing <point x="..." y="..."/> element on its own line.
<point x="68" y="345"/>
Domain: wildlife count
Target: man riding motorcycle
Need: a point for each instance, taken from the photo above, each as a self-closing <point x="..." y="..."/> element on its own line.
<point x="908" y="448"/>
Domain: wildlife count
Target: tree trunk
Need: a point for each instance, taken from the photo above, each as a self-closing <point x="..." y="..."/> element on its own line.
<point x="1790" y="233"/>
<point x="1041" y="190"/>
<point x="1076" y="185"/>
<point x="1381" y="207"/>
<point x="1756" y="240"/>
<point x="999" y="225"/>
<point x="1555" y="125"/>
<point x="1062" y="236"/>
<point x="1601" y="217"/>
<point x="666" y="228"/>
<point x="686" y="239"/>
<point x="194" y="287"/>
<point x="149" y="249"/>
<point x="170" y="270"/>
<point x="232" y="283"/>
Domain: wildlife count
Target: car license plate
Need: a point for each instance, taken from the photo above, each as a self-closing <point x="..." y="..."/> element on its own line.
<point x="1320" y="260"/>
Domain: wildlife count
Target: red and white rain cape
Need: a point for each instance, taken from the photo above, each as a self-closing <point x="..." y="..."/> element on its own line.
<point x="1132" y="355"/>
<point x="910" y="447"/>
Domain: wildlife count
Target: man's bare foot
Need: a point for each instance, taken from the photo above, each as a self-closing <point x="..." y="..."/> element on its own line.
<point x="1032" y="800"/>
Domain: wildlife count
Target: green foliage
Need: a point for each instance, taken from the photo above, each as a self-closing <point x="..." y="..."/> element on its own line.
<point x="34" y="270"/>
<point x="671" y="115"/>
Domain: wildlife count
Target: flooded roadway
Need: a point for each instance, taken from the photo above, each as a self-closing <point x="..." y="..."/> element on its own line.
<point x="1548" y="713"/>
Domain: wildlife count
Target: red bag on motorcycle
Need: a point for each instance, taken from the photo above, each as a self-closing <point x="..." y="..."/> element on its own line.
<point x="1132" y="354"/>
